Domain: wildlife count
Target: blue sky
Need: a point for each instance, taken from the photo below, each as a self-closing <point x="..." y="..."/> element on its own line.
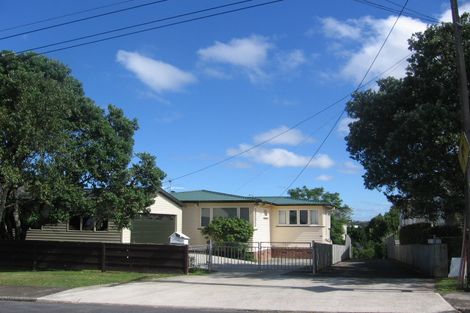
<point x="206" y="90"/>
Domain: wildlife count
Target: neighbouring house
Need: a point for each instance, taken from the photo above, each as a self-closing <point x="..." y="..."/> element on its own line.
<point x="164" y="219"/>
<point x="275" y="219"/>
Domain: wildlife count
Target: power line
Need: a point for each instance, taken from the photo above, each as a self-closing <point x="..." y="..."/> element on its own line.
<point x="135" y="25"/>
<point x="290" y="128"/>
<point x="163" y="26"/>
<point x="269" y="167"/>
<point x="408" y="12"/>
<point x="81" y="19"/>
<point x="65" y="15"/>
<point x="414" y="11"/>
<point x="260" y="143"/>
<point x="344" y="110"/>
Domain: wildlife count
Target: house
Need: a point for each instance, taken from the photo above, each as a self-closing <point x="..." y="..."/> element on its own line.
<point x="275" y="219"/>
<point x="165" y="218"/>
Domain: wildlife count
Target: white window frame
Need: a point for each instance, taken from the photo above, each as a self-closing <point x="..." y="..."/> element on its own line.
<point x="309" y="217"/>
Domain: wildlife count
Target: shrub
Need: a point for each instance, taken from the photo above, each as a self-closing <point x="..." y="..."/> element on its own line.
<point x="419" y="233"/>
<point x="415" y="234"/>
<point x="228" y="230"/>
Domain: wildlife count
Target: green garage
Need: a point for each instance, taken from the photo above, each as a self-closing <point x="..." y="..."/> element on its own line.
<point x="152" y="228"/>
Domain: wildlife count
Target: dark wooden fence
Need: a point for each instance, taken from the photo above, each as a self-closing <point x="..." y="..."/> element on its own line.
<point x="88" y="255"/>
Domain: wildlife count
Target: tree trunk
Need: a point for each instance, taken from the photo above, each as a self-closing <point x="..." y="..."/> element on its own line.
<point x="16" y="217"/>
<point x="3" y="204"/>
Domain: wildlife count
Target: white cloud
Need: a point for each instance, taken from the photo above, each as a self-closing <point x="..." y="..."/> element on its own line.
<point x="293" y="137"/>
<point x="278" y="157"/>
<point x="331" y="27"/>
<point x="447" y="15"/>
<point x="158" y="75"/>
<point x="395" y="48"/>
<point x="291" y="60"/>
<point x="343" y="125"/>
<point x="349" y="167"/>
<point x="324" y="177"/>
<point x="250" y="52"/>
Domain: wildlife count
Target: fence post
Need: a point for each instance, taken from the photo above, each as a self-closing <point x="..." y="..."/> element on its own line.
<point x="186" y="259"/>
<point x="209" y="265"/>
<point x="259" y="256"/>
<point x="35" y="256"/>
<point x="314" y="257"/>
<point x="103" y="257"/>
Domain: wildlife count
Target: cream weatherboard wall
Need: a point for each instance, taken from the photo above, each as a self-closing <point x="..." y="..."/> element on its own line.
<point x="300" y="233"/>
<point x="192" y="218"/>
<point x="265" y="220"/>
<point x="163" y="205"/>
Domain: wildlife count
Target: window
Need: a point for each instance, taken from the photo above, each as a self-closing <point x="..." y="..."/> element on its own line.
<point x="224" y="212"/>
<point x="207" y="214"/>
<point x="205" y="217"/>
<point x="74" y="223"/>
<point x="282" y="217"/>
<point x="303" y="217"/>
<point x="102" y="225"/>
<point x="314" y="217"/>
<point x="298" y="217"/>
<point x="245" y="214"/>
<point x="293" y="217"/>
<point x="87" y="223"/>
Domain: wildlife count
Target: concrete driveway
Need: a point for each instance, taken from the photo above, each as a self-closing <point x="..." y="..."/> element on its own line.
<point x="380" y="286"/>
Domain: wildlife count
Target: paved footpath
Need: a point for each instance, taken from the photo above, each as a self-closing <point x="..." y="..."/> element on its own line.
<point x="379" y="286"/>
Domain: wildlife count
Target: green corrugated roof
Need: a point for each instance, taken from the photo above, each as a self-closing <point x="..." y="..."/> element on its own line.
<point x="290" y="201"/>
<point x="209" y="196"/>
<point x="212" y="196"/>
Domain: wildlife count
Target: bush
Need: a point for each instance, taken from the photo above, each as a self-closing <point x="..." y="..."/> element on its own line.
<point x="228" y="230"/>
<point x="415" y="234"/>
<point x="366" y="252"/>
<point x="421" y="232"/>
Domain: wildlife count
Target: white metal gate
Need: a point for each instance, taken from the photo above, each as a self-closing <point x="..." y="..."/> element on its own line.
<point x="253" y="256"/>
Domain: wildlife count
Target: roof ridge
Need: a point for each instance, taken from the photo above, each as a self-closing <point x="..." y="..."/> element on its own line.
<point x="219" y="193"/>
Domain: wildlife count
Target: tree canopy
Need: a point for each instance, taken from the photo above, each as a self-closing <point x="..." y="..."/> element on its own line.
<point x="340" y="216"/>
<point x="368" y="237"/>
<point x="406" y="132"/>
<point x="61" y="154"/>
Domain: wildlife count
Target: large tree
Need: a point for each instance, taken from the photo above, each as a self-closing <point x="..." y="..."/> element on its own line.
<point x="406" y="132"/>
<point x="62" y="155"/>
<point x="341" y="214"/>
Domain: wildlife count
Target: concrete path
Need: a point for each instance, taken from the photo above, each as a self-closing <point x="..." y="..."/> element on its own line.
<point x="337" y="290"/>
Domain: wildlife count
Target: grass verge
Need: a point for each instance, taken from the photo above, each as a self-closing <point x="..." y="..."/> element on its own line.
<point x="71" y="279"/>
<point x="446" y="285"/>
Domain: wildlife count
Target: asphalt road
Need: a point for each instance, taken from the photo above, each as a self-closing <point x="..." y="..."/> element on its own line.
<point x="39" y="307"/>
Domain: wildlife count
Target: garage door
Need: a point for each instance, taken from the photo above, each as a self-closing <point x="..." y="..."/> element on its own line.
<point x="153" y="228"/>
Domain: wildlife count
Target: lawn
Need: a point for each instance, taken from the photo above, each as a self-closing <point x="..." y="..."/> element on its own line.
<point x="446" y="285"/>
<point x="71" y="279"/>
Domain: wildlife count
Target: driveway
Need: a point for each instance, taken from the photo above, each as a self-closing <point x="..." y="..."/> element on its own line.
<point x="375" y="286"/>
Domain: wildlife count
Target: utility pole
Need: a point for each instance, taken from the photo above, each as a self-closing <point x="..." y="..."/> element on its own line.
<point x="464" y="101"/>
